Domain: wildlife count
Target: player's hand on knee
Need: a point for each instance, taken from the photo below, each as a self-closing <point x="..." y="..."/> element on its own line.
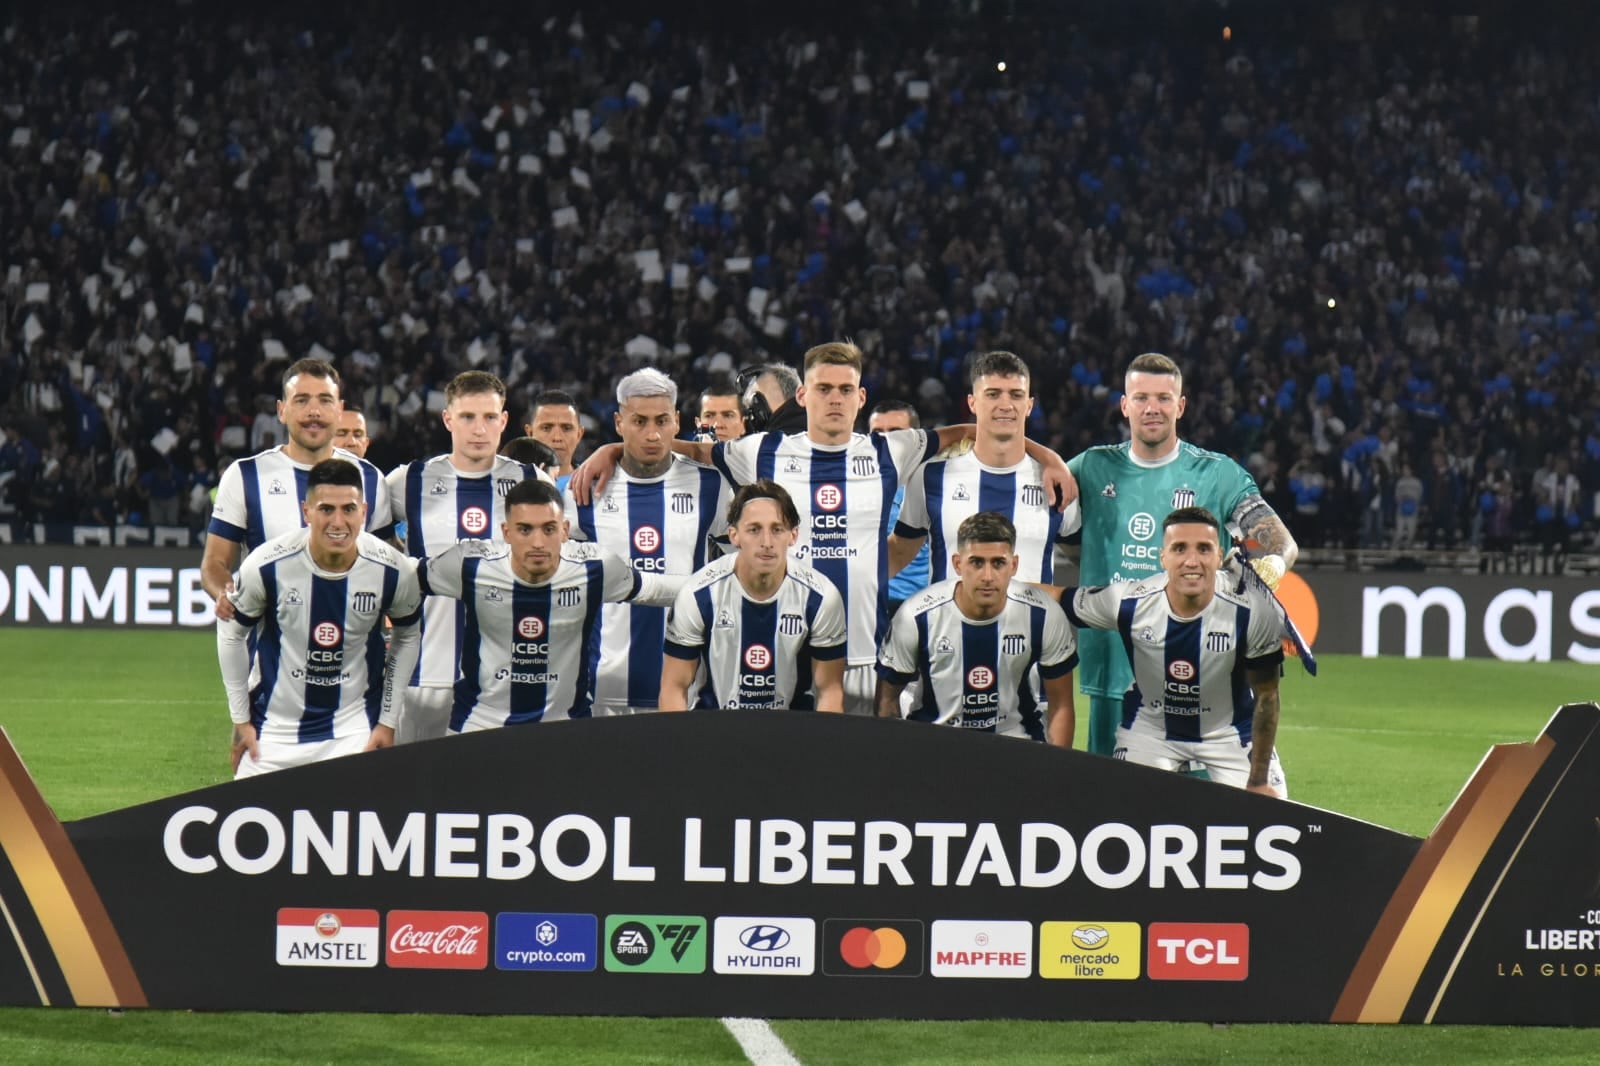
<point x="244" y="743"/>
<point x="382" y="737"/>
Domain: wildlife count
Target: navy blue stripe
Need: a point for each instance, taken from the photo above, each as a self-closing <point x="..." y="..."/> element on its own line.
<point x="268" y="648"/>
<point x="1130" y="699"/>
<point x="376" y="648"/>
<point x="302" y="480"/>
<point x="928" y="710"/>
<point x="255" y="533"/>
<point x="889" y="480"/>
<point x="1028" y="707"/>
<point x="328" y="599"/>
<point x="586" y="521"/>
<point x="370" y="479"/>
<point x="938" y="551"/>
<point x="225" y="530"/>
<point x="589" y="654"/>
<point x="1182" y="644"/>
<point x="980" y="646"/>
<point x="647" y="626"/>
<point x="709" y="696"/>
<point x="530" y="699"/>
<point x="469" y="686"/>
<point x="1244" y="697"/>
<point x="475" y="492"/>
<point x="766" y="457"/>
<point x="1047" y="568"/>
<point x="758" y="624"/>
<point x="804" y="696"/>
<point x="710" y="495"/>
<point x="416" y="547"/>
<point x="998" y="493"/>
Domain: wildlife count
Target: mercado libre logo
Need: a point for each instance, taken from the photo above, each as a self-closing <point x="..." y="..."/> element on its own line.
<point x="873" y="947"/>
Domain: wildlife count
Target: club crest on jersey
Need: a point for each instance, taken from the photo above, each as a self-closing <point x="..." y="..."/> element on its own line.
<point x="1182" y="498"/>
<point x="791" y="625"/>
<point x="364" y="602"/>
<point x="569" y="596"/>
<point x="863" y="465"/>
<point x="502" y="485"/>
<point x="1033" y="495"/>
<point x="1218" y="641"/>
<point x="682" y="503"/>
<point x="829" y="497"/>
<point x="792" y="466"/>
<point x="960" y="493"/>
<point x="275" y="488"/>
<point x="1110" y="491"/>
<point x="1013" y="644"/>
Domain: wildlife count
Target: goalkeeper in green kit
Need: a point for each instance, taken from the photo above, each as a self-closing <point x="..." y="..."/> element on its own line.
<point x="1125" y="491"/>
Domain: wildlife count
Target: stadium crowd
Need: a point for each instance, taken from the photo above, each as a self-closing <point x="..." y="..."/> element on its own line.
<point x="1370" y="261"/>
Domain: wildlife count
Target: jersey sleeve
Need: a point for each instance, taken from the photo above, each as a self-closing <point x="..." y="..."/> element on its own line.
<point x="913" y="520"/>
<point x="1264" y="641"/>
<point x="909" y="449"/>
<point x="406" y="607"/>
<point x="827" y="638"/>
<point x="1092" y="607"/>
<point x="396" y="481"/>
<point x="229" y="519"/>
<point x="620" y="581"/>
<point x="898" y="658"/>
<point x="441" y="575"/>
<point x="1059" y="654"/>
<point x="686" y="629"/>
<point x="569" y="508"/>
<point x="1239" y="489"/>
<point x="737" y="458"/>
<point x="380" y="507"/>
<point x="250" y="596"/>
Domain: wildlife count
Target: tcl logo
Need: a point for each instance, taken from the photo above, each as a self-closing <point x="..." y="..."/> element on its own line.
<point x="1197" y="951"/>
<point x="437" y="940"/>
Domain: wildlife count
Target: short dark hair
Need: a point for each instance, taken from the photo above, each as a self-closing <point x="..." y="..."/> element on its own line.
<point x="316" y="368"/>
<point x="998" y="364"/>
<point x="340" y="472"/>
<point x="1155" y="363"/>
<point x="986" y="527"/>
<point x="535" y="492"/>
<point x="764" y="490"/>
<point x="723" y="388"/>
<point x="1185" y="516"/>
<point x="474" y="383"/>
<point x="889" y="407"/>
<point x="530" y="451"/>
<point x="553" y="398"/>
<point x="352" y="409"/>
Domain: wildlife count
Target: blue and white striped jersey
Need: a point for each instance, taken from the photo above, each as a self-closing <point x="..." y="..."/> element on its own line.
<point x="1189" y="679"/>
<point x="259" y="498"/>
<point x="531" y="651"/>
<point x="440" y="506"/>
<point x="947" y="491"/>
<point x="661" y="525"/>
<point x="845" y="495"/>
<point x="321" y="675"/>
<point x="757" y="653"/>
<point x="977" y="674"/>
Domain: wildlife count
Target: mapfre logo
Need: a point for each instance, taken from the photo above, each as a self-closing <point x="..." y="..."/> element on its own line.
<point x="437" y="940"/>
<point x="1198" y="951"/>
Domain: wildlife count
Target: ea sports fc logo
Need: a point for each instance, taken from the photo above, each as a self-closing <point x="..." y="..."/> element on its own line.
<point x="758" y="657"/>
<point x="326" y="634"/>
<point x="530" y="627"/>
<point x="829" y="497"/>
<point x="1141" y="526"/>
<point x="474" y="520"/>
<point x="647" y="539"/>
<point x="880" y="949"/>
<point x="1181" y="670"/>
<point x="980" y="677"/>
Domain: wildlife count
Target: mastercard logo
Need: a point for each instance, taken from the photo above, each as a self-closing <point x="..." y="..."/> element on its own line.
<point x="883" y="949"/>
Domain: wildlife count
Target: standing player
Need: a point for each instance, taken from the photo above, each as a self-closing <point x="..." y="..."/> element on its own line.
<point x="555" y="421"/>
<point x="444" y="499"/>
<point x="1192" y="644"/>
<point x="975" y="640"/>
<point x="770" y="633"/>
<point x="997" y="475"/>
<point x="318" y="593"/>
<point x="1125" y="489"/>
<point x="350" y="432"/>
<point x="659" y="512"/>
<point x="843" y="485"/>
<point x="532" y="605"/>
<point x="261" y="497"/>
<point x="911" y="577"/>
<point x="721" y="412"/>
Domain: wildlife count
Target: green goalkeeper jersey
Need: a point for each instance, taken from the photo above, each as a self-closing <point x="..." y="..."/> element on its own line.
<point x="1123" y="502"/>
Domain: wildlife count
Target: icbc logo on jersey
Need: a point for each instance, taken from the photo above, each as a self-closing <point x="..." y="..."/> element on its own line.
<point x="530" y="627"/>
<point x="1198" y="951"/>
<point x="647" y="539"/>
<point x="474" y="520"/>
<point x="326" y="634"/>
<point x="758" y="657"/>
<point x="437" y="940"/>
<point x="1181" y="670"/>
<point x="980" y="677"/>
<point x="829" y="497"/>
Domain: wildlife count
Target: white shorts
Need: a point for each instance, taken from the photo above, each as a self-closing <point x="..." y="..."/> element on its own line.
<point x="284" y="755"/>
<point x="426" y="715"/>
<point x="1226" y="760"/>
<point x="861" y="689"/>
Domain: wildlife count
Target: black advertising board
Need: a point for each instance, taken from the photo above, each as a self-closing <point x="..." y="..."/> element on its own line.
<point x="794" y="865"/>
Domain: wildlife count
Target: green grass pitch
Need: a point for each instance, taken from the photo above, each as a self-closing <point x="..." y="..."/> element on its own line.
<point x="105" y="719"/>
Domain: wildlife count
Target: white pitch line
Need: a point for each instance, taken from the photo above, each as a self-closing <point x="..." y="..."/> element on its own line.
<point x="759" y="1043"/>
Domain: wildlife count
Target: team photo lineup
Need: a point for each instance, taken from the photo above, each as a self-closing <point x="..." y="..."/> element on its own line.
<point x="775" y="558"/>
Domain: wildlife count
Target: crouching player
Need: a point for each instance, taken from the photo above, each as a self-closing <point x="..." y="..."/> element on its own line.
<point x="1206" y="660"/>
<point x="974" y="640"/>
<point x="320" y="595"/>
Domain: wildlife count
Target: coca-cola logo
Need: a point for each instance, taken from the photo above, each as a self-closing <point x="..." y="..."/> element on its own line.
<point x="437" y="940"/>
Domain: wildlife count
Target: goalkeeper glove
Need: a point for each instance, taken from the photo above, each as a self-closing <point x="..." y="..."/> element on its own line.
<point x="1270" y="568"/>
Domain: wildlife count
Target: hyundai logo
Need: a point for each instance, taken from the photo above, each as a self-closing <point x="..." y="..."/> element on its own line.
<point x="765" y="938"/>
